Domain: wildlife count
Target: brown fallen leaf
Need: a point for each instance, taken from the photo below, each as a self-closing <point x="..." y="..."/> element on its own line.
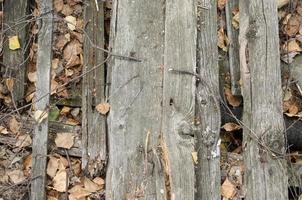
<point x="65" y="140"/>
<point x="52" y="166"/>
<point x="14" y="125"/>
<point x="58" y="5"/>
<point x="232" y="100"/>
<point x="78" y="192"/>
<point x="60" y="181"/>
<point x="99" y="181"/>
<point x="3" y="130"/>
<point x="228" y="189"/>
<point x="16" y="176"/>
<point x="292" y="25"/>
<point x="103" y="108"/>
<point x="23" y="141"/>
<point x="223" y="41"/>
<point x="91" y="186"/>
<point x="10" y="84"/>
<point x="229" y="127"/>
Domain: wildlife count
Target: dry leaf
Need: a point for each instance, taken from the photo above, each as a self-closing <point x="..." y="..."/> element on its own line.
<point x="78" y="192"/>
<point x="292" y="25"/>
<point x="58" y="5"/>
<point x="40" y="116"/>
<point x="14" y="43"/>
<point x="65" y="140"/>
<point x="10" y="84"/>
<point x="195" y="157"/>
<point x="16" y="176"/>
<point x="231" y="127"/>
<point x="14" y="125"/>
<point x="71" y="22"/>
<point x="291" y="46"/>
<point x="232" y="100"/>
<point x="223" y="40"/>
<point x="99" y="181"/>
<point x="235" y="21"/>
<point x="32" y="76"/>
<point x="71" y="52"/>
<point x="221" y="4"/>
<point x="52" y="166"/>
<point x="23" y="141"/>
<point x="103" y="108"/>
<point x="65" y="110"/>
<point x="60" y="181"/>
<point x="228" y="189"/>
<point x="27" y="163"/>
<point x="90" y="186"/>
<point x="3" y="130"/>
<point x="72" y="122"/>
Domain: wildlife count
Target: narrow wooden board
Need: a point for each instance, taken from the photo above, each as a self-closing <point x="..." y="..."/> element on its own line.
<point x="233" y="33"/>
<point x="263" y="146"/>
<point x="208" y="104"/>
<point x="93" y="91"/>
<point x="15" y="60"/>
<point x="40" y="138"/>
<point x="134" y="168"/>
<point x="179" y="98"/>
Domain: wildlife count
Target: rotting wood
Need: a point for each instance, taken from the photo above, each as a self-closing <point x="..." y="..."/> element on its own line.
<point x="134" y="169"/>
<point x="208" y="105"/>
<point x="233" y="50"/>
<point x="263" y="146"/>
<point x="179" y="97"/>
<point x="93" y="86"/>
<point x="14" y="61"/>
<point x="40" y="138"/>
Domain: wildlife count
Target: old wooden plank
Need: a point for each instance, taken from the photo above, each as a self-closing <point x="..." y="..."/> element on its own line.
<point x="233" y="33"/>
<point x="40" y="138"/>
<point x="208" y="171"/>
<point x="93" y="91"/>
<point x="179" y="98"/>
<point x="266" y="173"/>
<point x="134" y="171"/>
<point x="15" y="60"/>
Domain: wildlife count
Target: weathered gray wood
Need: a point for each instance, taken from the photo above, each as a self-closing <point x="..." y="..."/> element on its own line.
<point x="134" y="168"/>
<point x="93" y="86"/>
<point x="208" y="171"/>
<point x="234" y="62"/>
<point x="15" y="60"/>
<point x="265" y="175"/>
<point x="179" y="98"/>
<point x="40" y="138"/>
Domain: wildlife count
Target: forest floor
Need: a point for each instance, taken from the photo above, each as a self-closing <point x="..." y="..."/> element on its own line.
<point x="65" y="177"/>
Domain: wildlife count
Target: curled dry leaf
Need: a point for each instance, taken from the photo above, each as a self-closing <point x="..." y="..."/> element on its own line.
<point x="65" y="140"/>
<point x="103" y="108"/>
<point x="292" y="25"/>
<point x="291" y="46"/>
<point x="231" y="127"/>
<point x="78" y="192"/>
<point x="223" y="40"/>
<point x="3" y="130"/>
<point x="32" y="76"/>
<point x="91" y="186"/>
<point x="52" y="166"/>
<point x="232" y="100"/>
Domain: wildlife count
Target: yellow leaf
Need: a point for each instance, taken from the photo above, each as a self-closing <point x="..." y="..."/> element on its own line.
<point x="103" y="108"/>
<point x="40" y="115"/>
<point x="13" y="43"/>
<point x="195" y="157"/>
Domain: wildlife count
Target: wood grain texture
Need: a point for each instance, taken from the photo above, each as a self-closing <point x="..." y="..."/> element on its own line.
<point x="135" y="96"/>
<point x="179" y="96"/>
<point x="208" y="170"/>
<point x="266" y="175"/>
<point x="15" y="60"/>
<point x="233" y="51"/>
<point x="40" y="138"/>
<point x="93" y="91"/>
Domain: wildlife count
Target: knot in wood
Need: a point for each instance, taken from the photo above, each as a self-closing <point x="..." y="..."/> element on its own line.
<point x="184" y="128"/>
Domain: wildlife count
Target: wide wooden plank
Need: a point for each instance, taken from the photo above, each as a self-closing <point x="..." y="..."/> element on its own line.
<point x="134" y="170"/>
<point x="40" y="138"/>
<point x="179" y="98"/>
<point x="233" y="33"/>
<point x="15" y="60"/>
<point x="266" y="172"/>
<point x="208" y="113"/>
<point x="93" y="91"/>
